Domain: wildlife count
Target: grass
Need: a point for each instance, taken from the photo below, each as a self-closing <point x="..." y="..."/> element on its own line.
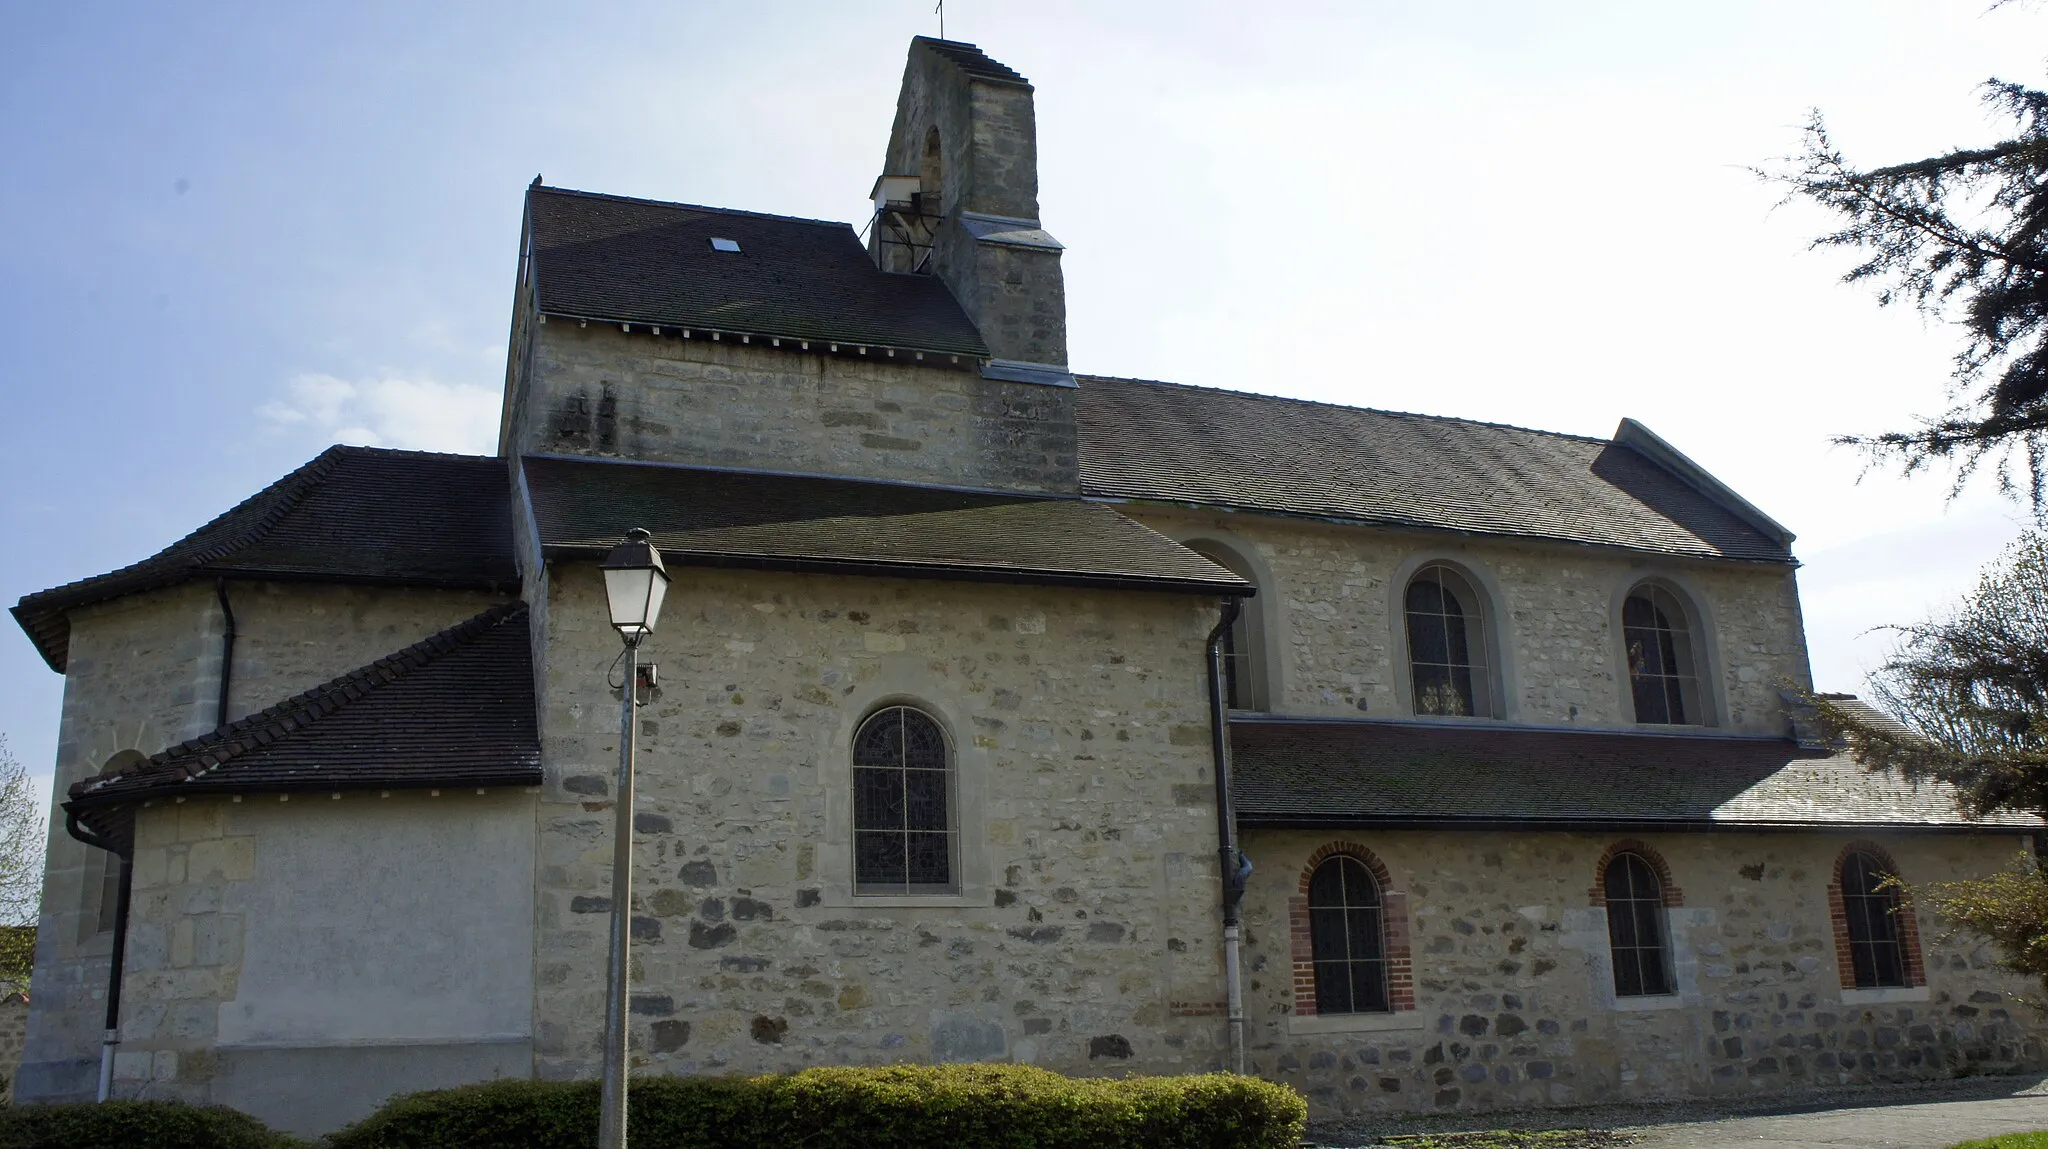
<point x="2009" y="1141"/>
<point x="1542" y="1139"/>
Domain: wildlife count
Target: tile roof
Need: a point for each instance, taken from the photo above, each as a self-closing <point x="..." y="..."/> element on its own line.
<point x="644" y="261"/>
<point x="356" y="514"/>
<point x="455" y="709"/>
<point x="1426" y="775"/>
<point x="1171" y="443"/>
<point x="718" y="517"/>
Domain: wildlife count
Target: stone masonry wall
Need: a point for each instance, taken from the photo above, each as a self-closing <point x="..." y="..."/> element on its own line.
<point x="1085" y="936"/>
<point x="1514" y="1004"/>
<point x="598" y="391"/>
<point x="145" y="674"/>
<point x="1335" y="628"/>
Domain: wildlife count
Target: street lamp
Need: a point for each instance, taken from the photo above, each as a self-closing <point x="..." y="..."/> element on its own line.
<point x="634" y="584"/>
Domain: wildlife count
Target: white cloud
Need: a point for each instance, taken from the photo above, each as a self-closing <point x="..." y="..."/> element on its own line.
<point x="414" y="414"/>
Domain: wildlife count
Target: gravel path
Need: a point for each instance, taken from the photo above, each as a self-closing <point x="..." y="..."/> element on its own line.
<point x="1917" y="1116"/>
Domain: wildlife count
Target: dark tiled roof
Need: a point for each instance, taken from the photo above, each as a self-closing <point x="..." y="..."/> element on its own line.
<point x="642" y="261"/>
<point x="969" y="59"/>
<point x="794" y="522"/>
<point x="1393" y="774"/>
<point x="1160" y="441"/>
<point x="455" y="709"/>
<point x="359" y="514"/>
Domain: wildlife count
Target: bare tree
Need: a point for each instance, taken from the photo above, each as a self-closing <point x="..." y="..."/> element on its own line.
<point x="22" y="835"/>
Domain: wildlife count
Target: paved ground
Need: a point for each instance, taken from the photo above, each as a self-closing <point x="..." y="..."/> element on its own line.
<point x="1927" y="1124"/>
<point x="1912" y="1116"/>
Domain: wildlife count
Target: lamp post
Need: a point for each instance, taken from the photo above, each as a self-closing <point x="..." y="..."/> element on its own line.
<point x="634" y="584"/>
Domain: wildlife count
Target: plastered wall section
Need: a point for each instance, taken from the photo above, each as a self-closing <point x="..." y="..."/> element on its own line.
<point x="1514" y="991"/>
<point x="1084" y="934"/>
<point x="1330" y="597"/>
<point x="144" y="674"/>
<point x="595" y="390"/>
<point x="266" y="927"/>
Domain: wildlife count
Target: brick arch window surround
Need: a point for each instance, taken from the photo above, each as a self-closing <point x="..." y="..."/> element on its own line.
<point x="1349" y="934"/>
<point x="1633" y="883"/>
<point x="1877" y="936"/>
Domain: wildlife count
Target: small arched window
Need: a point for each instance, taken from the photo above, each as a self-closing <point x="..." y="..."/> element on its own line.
<point x="904" y="836"/>
<point x="1870" y="905"/>
<point x="1244" y="664"/>
<point x="1347" y="937"/>
<point x="1635" y="927"/>
<point x="1662" y="674"/>
<point x="1447" y="650"/>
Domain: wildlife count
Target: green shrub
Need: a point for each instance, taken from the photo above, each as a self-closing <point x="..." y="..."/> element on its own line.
<point x="894" y="1107"/>
<point x="135" y="1125"/>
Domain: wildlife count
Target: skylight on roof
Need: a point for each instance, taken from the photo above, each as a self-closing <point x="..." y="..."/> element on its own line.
<point x="732" y="245"/>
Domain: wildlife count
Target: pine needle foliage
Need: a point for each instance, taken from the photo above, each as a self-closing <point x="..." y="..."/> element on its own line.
<point x="1960" y="236"/>
<point x="1970" y="692"/>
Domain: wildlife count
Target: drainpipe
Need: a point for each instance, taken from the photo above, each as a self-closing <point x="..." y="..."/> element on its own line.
<point x="125" y="883"/>
<point x="227" y="651"/>
<point x="1234" y="866"/>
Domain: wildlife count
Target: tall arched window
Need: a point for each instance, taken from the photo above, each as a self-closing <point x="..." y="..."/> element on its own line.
<point x="1662" y="674"/>
<point x="1635" y="927"/>
<point x="904" y="837"/>
<point x="1447" y="650"/>
<point x="1347" y="937"/>
<point x="1870" y="908"/>
<point x="1244" y="663"/>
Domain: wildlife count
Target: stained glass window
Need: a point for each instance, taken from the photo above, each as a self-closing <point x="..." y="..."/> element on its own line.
<point x="903" y="832"/>
<point x="1347" y="938"/>
<point x="1446" y="645"/>
<point x="1661" y="674"/>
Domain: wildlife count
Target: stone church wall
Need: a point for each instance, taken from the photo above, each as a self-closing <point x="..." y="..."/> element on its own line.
<point x="1085" y="936"/>
<point x="1330" y="598"/>
<point x="598" y="391"/>
<point x="1513" y="997"/>
<point x="144" y="674"/>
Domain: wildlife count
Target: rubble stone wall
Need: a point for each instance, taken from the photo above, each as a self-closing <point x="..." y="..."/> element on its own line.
<point x="1084" y="936"/>
<point x="1514" y="1001"/>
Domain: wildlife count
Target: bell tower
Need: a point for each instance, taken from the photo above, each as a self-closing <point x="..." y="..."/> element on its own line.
<point x="958" y="198"/>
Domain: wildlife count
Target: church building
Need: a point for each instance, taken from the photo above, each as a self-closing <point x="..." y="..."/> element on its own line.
<point x="1003" y="713"/>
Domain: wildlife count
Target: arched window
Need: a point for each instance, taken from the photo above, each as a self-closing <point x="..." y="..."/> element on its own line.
<point x="1347" y="937"/>
<point x="1447" y="650"/>
<point x="904" y="837"/>
<point x="1635" y="927"/>
<point x="1662" y="673"/>
<point x="1870" y="909"/>
<point x="1244" y="664"/>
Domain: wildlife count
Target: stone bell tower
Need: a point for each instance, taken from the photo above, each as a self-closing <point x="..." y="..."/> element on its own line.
<point x="958" y="198"/>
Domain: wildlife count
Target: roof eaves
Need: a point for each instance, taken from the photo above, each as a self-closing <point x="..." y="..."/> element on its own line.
<point x="973" y="356"/>
<point x="946" y="571"/>
<point x="1297" y="821"/>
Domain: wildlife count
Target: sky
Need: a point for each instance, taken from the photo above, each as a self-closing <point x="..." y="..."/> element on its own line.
<point x="232" y="234"/>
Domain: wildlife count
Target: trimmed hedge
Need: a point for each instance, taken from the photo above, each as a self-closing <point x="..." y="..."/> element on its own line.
<point x="893" y="1107"/>
<point x="136" y="1125"/>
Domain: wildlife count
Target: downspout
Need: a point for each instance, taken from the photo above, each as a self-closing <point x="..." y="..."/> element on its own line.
<point x="124" y="884"/>
<point x="1234" y="867"/>
<point x="227" y="652"/>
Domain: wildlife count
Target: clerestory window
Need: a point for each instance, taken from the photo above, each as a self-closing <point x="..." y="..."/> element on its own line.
<point x="1663" y="673"/>
<point x="1449" y="672"/>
